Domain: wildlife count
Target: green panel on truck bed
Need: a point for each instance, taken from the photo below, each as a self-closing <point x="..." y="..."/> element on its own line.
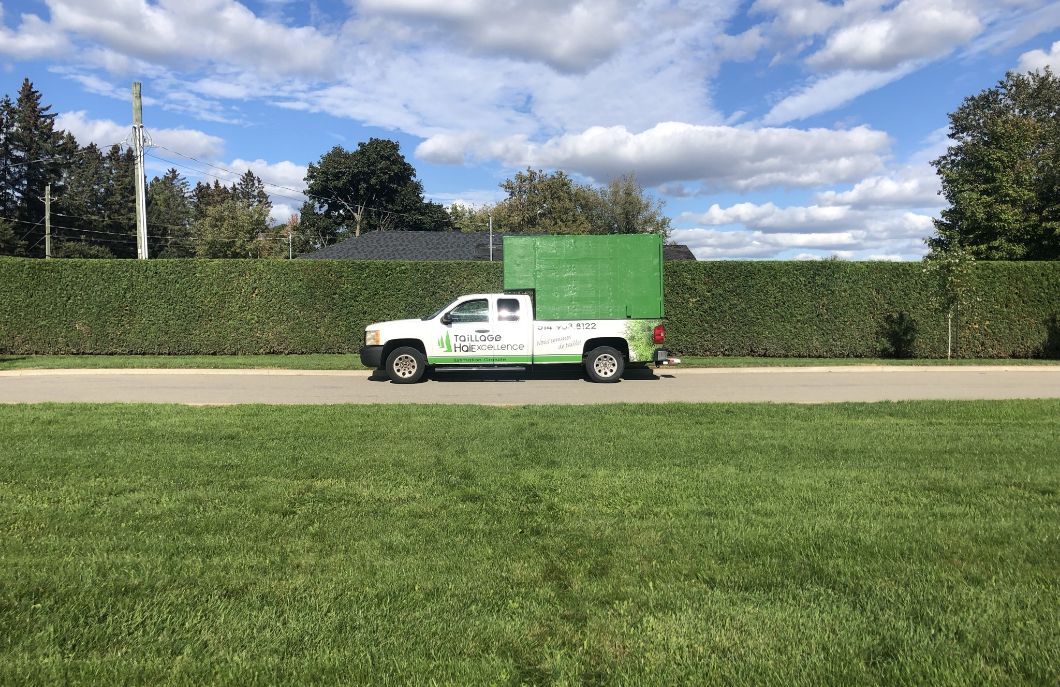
<point x="616" y="276"/>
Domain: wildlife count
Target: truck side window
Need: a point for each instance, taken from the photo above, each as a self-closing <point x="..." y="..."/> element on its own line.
<point x="508" y="309"/>
<point x="471" y="311"/>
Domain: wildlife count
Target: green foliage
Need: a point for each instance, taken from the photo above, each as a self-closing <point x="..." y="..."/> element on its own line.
<point x="368" y="189"/>
<point x="1002" y="175"/>
<point x="777" y="309"/>
<point x="624" y="207"/>
<point x="233" y="230"/>
<point x="899" y="333"/>
<point x="543" y="203"/>
<point x="540" y="202"/>
<point x="169" y="215"/>
<point x="81" y="249"/>
<point x="839" y="308"/>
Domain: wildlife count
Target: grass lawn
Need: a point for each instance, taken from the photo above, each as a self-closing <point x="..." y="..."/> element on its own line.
<point x="333" y="361"/>
<point x="908" y="543"/>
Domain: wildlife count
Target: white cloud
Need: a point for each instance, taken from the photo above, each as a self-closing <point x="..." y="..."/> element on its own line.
<point x="768" y="217"/>
<point x="106" y="132"/>
<point x="569" y="36"/>
<point x="913" y="30"/>
<point x="281" y="212"/>
<point x="743" y="46"/>
<point x="913" y="186"/>
<point x="1039" y="59"/>
<point x="749" y="230"/>
<point x="33" y="38"/>
<point x="285" y="177"/>
<point x="831" y="92"/>
<point x="178" y="32"/>
<point x="719" y="156"/>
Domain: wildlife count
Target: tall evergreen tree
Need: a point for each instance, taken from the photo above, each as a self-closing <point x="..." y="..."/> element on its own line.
<point x="205" y="196"/>
<point x="169" y="215"/>
<point x="119" y="201"/>
<point x="250" y="191"/>
<point x="34" y="143"/>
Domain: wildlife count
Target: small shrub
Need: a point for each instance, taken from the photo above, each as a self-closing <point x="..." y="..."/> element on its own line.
<point x="899" y="334"/>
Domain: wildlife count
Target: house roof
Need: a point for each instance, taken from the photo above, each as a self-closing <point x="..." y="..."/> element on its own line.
<point x="434" y="245"/>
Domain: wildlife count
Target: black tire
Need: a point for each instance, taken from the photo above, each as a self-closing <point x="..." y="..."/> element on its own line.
<point x="605" y="365"/>
<point x="406" y="365"/>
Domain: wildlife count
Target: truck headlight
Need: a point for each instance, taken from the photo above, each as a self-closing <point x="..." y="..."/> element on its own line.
<point x="371" y="337"/>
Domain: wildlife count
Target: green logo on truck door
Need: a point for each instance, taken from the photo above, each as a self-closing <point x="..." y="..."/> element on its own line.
<point x="445" y="344"/>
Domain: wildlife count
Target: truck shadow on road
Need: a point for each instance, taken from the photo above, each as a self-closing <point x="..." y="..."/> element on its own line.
<point x="574" y="373"/>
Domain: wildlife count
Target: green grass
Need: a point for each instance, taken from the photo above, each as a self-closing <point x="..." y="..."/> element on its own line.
<point x="909" y="543"/>
<point x="331" y="361"/>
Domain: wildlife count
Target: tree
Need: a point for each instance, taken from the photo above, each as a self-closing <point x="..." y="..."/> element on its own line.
<point x="371" y="188"/>
<point x="1002" y="175"/>
<point x="119" y="201"/>
<point x="553" y="203"/>
<point x="9" y="239"/>
<point x="79" y="206"/>
<point x="623" y="207"/>
<point x="204" y="196"/>
<point x="30" y="142"/>
<point x="232" y="230"/>
<point x="952" y="268"/>
<point x="250" y="191"/>
<point x="169" y="216"/>
<point x="540" y="202"/>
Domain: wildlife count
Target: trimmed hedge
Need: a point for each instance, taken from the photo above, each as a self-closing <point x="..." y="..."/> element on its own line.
<point x="848" y="309"/>
<point x="803" y="309"/>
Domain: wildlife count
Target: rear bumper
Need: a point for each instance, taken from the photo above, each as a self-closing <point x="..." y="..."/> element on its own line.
<point x="662" y="356"/>
<point x="372" y="356"/>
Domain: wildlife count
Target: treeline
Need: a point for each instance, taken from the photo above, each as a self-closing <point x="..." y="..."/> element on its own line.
<point x="93" y="198"/>
<point x="554" y="203"/>
<point x="348" y="192"/>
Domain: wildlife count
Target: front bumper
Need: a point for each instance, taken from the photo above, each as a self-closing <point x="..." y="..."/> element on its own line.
<point x="372" y="356"/>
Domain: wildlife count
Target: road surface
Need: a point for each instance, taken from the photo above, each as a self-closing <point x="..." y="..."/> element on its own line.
<point x="544" y="386"/>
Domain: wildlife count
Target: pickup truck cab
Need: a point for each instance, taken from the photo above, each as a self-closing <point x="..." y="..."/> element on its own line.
<point x="491" y="331"/>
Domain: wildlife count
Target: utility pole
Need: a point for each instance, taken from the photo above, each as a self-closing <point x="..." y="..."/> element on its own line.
<point x="48" y="221"/>
<point x="491" y="236"/>
<point x="141" y="190"/>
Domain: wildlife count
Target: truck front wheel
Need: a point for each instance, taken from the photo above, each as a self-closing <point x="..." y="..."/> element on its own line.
<point x="605" y="364"/>
<point x="405" y="365"/>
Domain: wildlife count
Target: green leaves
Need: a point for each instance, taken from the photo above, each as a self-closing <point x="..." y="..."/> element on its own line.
<point x="780" y="309"/>
<point x="1002" y="175"/>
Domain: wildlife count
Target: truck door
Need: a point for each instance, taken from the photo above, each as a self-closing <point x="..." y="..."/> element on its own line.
<point x="483" y="331"/>
<point x="513" y="324"/>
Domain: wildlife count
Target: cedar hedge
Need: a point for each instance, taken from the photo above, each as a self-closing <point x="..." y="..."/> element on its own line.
<point x="799" y="309"/>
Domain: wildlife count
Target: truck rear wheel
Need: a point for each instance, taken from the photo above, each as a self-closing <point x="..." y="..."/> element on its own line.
<point x="605" y="364"/>
<point x="406" y="365"/>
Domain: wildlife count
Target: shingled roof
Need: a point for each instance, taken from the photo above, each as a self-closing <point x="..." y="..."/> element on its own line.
<point x="435" y="245"/>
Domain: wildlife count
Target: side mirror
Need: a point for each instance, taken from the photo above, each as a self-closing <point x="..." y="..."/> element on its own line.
<point x="447" y="319"/>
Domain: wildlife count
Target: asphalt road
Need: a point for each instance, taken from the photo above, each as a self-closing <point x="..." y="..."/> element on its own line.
<point x="543" y="386"/>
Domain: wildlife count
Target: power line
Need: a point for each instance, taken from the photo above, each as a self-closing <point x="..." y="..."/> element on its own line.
<point x="53" y="157"/>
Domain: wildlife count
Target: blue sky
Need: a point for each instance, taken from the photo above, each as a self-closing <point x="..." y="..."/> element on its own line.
<point x="773" y="129"/>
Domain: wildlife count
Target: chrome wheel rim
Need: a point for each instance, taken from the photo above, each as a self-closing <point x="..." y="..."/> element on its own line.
<point x="605" y="365"/>
<point x="405" y="366"/>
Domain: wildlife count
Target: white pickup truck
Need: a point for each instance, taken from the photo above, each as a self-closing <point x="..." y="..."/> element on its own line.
<point x="491" y="331"/>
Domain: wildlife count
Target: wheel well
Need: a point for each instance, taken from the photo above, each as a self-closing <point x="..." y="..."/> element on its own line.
<point x="389" y="346"/>
<point x="617" y="343"/>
